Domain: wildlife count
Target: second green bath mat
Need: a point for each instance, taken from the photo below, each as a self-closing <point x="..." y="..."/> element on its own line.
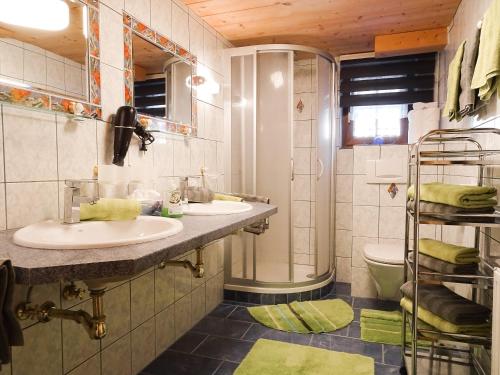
<point x="269" y="357"/>
<point x="305" y="317"/>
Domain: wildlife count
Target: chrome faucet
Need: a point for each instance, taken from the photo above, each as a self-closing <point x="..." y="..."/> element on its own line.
<point x="72" y="200"/>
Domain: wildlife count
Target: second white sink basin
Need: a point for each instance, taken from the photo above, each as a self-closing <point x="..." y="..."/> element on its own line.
<point x="52" y="234"/>
<point x="216" y="207"/>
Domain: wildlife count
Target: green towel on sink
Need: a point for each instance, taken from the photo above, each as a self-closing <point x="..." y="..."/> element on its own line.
<point x="451" y="108"/>
<point x="448" y="252"/>
<point x="486" y="76"/>
<point x="110" y="209"/>
<point x="465" y="196"/>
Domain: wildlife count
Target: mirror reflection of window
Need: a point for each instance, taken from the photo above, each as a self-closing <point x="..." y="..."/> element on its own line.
<point x="51" y="55"/>
<point x="162" y="82"/>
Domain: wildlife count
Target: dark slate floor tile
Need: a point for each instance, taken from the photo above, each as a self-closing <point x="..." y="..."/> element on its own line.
<point x="316" y="294"/>
<point x="386" y="370"/>
<point x="351" y="345"/>
<point x="221" y="327"/>
<point x="392" y="355"/>
<point x="340" y="332"/>
<point x="280" y="298"/>
<point x="354" y="330"/>
<point x="188" y="342"/>
<point x="323" y="341"/>
<point x="305" y="296"/>
<point x="229" y="295"/>
<point x="293" y="297"/>
<point x="268" y="299"/>
<point x="254" y="298"/>
<point x="175" y="363"/>
<point x="343" y="289"/>
<point x="373" y="303"/>
<point x="222" y="311"/>
<point x="224" y="349"/>
<point x="227" y="368"/>
<point x="239" y="303"/>
<point x="258" y="331"/>
<point x="357" y="315"/>
<point x="241" y="314"/>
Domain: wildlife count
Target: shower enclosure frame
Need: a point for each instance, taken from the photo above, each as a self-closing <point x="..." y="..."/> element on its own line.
<point x="253" y="284"/>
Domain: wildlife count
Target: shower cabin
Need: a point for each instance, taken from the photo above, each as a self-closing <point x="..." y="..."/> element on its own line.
<point x="279" y="139"/>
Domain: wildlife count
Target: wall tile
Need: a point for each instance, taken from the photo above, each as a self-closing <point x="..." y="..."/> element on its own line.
<point x="143" y="345"/>
<point x="105" y="139"/>
<point x="112" y="90"/>
<point x="343" y="216"/>
<point x="214" y="290"/>
<point x="180" y="25"/>
<point x="42" y="350"/>
<point x="161" y="17"/>
<point x="3" y="213"/>
<point x="398" y="201"/>
<point x="392" y="222"/>
<point x="302" y="133"/>
<point x="343" y="270"/>
<point x="301" y="240"/>
<point x="358" y="247"/>
<point x="302" y="214"/>
<point x="181" y="157"/>
<point x="209" y="48"/>
<point x="302" y="188"/>
<point x="165" y="329"/>
<point x="198" y="305"/>
<point x="362" y="285"/>
<point x="21" y="209"/>
<point x="364" y="194"/>
<point x="182" y="316"/>
<point x="117" y="302"/>
<point x="343" y="243"/>
<point x="183" y="278"/>
<point x="116" y="358"/>
<point x="196" y="38"/>
<point x="55" y="74"/>
<point x="77" y="347"/>
<point x="302" y="160"/>
<point x="90" y="366"/>
<point x="361" y="155"/>
<point x="29" y="136"/>
<point x="35" y="68"/>
<point x="116" y="5"/>
<point x="142" y="296"/>
<point x="11" y="60"/>
<point x="111" y="37"/>
<point x="365" y="221"/>
<point x="76" y="148"/>
<point x="344" y="188"/>
<point x="140" y="9"/>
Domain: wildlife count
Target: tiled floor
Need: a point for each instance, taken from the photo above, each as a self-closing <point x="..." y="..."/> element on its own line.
<point x="217" y="344"/>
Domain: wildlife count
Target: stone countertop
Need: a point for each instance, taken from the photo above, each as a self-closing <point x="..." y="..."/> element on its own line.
<point x="40" y="266"/>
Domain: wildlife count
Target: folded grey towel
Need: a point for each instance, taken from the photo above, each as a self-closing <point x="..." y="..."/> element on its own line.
<point x="441" y="266"/>
<point x="468" y="96"/>
<point x="448" y="305"/>
<point x="11" y="333"/>
<point x="197" y="194"/>
<point x="439" y="208"/>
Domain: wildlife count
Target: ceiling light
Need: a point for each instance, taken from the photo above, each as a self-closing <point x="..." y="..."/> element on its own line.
<point x="49" y="15"/>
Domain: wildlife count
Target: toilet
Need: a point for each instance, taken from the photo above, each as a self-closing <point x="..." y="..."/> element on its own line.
<point x="385" y="263"/>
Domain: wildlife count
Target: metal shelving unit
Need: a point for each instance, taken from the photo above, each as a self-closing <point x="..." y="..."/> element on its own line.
<point x="482" y="279"/>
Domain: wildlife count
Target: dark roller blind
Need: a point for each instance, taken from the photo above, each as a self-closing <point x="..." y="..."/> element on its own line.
<point x="149" y="97"/>
<point x="392" y="80"/>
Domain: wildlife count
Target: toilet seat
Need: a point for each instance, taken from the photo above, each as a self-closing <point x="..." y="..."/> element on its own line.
<point x="384" y="253"/>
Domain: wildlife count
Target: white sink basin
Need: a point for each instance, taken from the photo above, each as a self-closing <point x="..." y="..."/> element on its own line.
<point x="52" y="234"/>
<point x="216" y="208"/>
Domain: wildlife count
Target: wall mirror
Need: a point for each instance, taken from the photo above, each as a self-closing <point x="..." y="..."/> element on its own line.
<point x="49" y="55"/>
<point x="162" y="82"/>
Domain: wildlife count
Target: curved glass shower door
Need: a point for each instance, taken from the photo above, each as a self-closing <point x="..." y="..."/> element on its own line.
<point x="280" y="144"/>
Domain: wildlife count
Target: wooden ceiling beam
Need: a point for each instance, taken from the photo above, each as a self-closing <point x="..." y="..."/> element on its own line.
<point x="410" y="43"/>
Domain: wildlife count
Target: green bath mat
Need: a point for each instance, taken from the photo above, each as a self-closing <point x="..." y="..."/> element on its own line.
<point x="269" y="357"/>
<point x="384" y="327"/>
<point x="305" y="317"/>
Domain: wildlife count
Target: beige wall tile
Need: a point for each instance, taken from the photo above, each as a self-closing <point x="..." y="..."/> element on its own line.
<point x="214" y="291"/>
<point x="42" y="350"/>
<point x="29" y="136"/>
<point x="141" y="9"/>
<point x="343" y="269"/>
<point x="143" y="345"/>
<point x="164" y="287"/>
<point x="3" y="213"/>
<point x="111" y="37"/>
<point x="117" y="302"/>
<point x="105" y="140"/>
<point x="77" y="346"/>
<point x="183" y="280"/>
<point x="196" y="38"/>
<point x="198" y="306"/>
<point x="343" y="243"/>
<point x="180" y="25"/>
<point x="116" y="358"/>
<point x="365" y="221"/>
<point x="112" y="90"/>
<point x="161" y="17"/>
<point x="142" y="296"/>
<point x="182" y="316"/>
<point x="165" y="329"/>
<point x="362" y="284"/>
<point x="21" y="209"/>
<point x="90" y="366"/>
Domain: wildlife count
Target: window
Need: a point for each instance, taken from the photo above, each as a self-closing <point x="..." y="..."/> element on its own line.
<point x="376" y="95"/>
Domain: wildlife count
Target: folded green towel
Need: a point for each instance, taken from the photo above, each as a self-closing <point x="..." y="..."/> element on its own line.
<point x="451" y="108"/>
<point x="487" y="70"/>
<point x="444" y="325"/>
<point x="465" y="196"/>
<point x="448" y="252"/>
<point x="227" y="197"/>
<point x="110" y="209"/>
<point x="391" y="316"/>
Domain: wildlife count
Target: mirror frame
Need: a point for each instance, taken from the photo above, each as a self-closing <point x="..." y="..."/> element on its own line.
<point x="40" y="99"/>
<point x="152" y="123"/>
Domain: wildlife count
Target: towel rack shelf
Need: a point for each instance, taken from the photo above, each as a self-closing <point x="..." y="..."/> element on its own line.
<point x="442" y="148"/>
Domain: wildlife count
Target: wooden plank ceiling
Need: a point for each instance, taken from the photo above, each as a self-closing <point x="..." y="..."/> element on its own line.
<point x="339" y="26"/>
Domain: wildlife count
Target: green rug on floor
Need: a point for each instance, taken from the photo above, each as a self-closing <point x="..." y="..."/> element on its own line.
<point x="306" y="316"/>
<point x="269" y="357"/>
<point x="384" y="327"/>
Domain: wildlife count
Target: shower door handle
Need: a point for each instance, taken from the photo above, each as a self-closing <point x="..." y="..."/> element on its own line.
<point x="321" y="169"/>
<point x="292" y="170"/>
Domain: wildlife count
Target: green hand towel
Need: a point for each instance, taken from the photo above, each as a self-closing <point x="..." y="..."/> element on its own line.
<point x="391" y="316"/>
<point x="448" y="252"/>
<point x="487" y="70"/>
<point x="110" y="209"/>
<point x="227" y="197"/>
<point x="465" y="196"/>
<point x="452" y="106"/>
<point x="444" y="325"/>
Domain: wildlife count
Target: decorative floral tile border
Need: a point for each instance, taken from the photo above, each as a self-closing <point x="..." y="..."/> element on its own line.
<point x="132" y="25"/>
<point x="33" y="98"/>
